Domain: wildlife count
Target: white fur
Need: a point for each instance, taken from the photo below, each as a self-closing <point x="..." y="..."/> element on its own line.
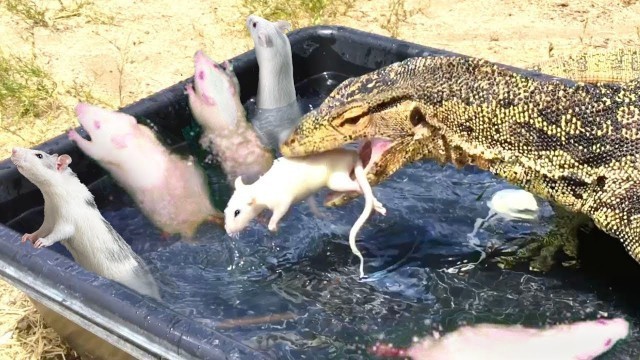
<point x="71" y="217"/>
<point x="579" y="340"/>
<point x="171" y="191"/>
<point x="290" y="180"/>
<point x="273" y="52"/>
<point x="214" y="100"/>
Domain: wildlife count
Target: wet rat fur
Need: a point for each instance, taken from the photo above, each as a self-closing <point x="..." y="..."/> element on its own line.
<point x="291" y="180"/>
<point x="169" y="189"/>
<point x="72" y="218"/>
<point x="214" y="100"/>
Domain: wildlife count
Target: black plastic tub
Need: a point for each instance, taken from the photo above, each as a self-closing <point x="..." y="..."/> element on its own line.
<point x="102" y="319"/>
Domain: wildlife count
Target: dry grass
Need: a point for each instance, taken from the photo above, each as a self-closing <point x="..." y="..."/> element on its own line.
<point x="23" y="335"/>
<point x="128" y="51"/>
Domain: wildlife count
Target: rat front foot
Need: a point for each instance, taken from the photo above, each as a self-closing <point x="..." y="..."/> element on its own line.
<point x="28" y="237"/>
<point x="43" y="242"/>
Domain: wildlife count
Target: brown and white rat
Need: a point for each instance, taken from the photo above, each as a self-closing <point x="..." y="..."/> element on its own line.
<point x="277" y="109"/>
<point x="214" y="99"/>
<point x="170" y="190"/>
<point x="72" y="218"/>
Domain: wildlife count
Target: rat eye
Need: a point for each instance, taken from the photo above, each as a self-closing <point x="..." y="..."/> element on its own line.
<point x="39" y="156"/>
<point x="254" y="25"/>
<point x="236" y="213"/>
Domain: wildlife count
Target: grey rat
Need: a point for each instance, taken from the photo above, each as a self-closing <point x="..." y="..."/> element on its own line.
<point x="277" y="108"/>
<point x="72" y="218"/>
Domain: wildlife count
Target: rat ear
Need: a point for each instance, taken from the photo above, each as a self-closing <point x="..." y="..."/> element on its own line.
<point x="63" y="162"/>
<point x="264" y="39"/>
<point x="283" y="25"/>
<point x="238" y="183"/>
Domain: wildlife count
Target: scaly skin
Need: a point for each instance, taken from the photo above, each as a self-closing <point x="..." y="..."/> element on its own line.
<point x="577" y="146"/>
<point x="595" y="66"/>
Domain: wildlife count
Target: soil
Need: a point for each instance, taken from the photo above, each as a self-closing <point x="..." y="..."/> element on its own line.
<point x="122" y="51"/>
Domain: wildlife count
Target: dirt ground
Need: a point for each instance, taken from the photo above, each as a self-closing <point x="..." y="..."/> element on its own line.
<point x="115" y="52"/>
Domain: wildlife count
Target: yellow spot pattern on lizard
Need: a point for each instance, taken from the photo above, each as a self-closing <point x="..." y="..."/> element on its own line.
<point x="576" y="145"/>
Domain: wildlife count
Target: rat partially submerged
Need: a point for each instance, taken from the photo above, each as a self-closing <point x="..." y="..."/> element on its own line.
<point x="214" y="99"/>
<point x="170" y="190"/>
<point x="581" y="340"/>
<point x="72" y="217"/>
<point x="290" y="180"/>
<point x="277" y="111"/>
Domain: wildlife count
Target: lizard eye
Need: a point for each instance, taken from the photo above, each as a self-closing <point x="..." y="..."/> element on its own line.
<point x="352" y="117"/>
<point x="39" y="156"/>
<point x="236" y="213"/>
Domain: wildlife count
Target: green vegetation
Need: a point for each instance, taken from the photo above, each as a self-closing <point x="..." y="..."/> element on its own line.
<point x="299" y="13"/>
<point x="26" y="89"/>
<point x="36" y="15"/>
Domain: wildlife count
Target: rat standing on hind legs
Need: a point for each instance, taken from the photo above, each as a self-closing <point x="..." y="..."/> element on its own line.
<point x="72" y="217"/>
<point x="170" y="190"/>
<point x="214" y="100"/>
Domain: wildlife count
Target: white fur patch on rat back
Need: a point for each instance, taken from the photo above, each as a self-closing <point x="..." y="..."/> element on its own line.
<point x="72" y="217"/>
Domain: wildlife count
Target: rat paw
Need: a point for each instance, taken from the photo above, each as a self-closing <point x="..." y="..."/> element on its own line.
<point x="273" y="228"/>
<point x="73" y="135"/>
<point x="27" y="237"/>
<point x="42" y="242"/>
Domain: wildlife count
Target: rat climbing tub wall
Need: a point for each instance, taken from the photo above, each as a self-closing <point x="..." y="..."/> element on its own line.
<point x="103" y="319"/>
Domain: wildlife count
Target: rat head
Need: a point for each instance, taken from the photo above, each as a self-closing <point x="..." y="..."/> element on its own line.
<point x="268" y="35"/>
<point x="38" y="166"/>
<point x="241" y="208"/>
<point x="214" y="92"/>
<point x="111" y="131"/>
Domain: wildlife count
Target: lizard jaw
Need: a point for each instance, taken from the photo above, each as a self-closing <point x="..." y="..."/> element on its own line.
<point x="371" y="152"/>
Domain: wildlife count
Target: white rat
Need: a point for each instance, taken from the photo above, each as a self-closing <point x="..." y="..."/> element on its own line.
<point x="291" y="180"/>
<point x="214" y="99"/>
<point x="273" y="52"/>
<point x="170" y="190"/>
<point x="581" y="340"/>
<point x="277" y="112"/>
<point x="72" y="217"/>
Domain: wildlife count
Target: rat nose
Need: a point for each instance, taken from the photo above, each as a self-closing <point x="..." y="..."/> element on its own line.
<point x="14" y="151"/>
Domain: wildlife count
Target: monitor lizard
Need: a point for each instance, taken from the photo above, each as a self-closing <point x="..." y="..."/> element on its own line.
<point x="576" y="144"/>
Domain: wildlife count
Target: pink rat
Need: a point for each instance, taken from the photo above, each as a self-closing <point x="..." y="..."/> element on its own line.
<point x="214" y="99"/>
<point x="170" y="190"/>
<point x="583" y="340"/>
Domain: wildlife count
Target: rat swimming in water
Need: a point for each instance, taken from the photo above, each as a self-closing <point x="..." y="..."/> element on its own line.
<point x="582" y="340"/>
<point x="72" y="217"/>
<point x="214" y="99"/>
<point x="170" y="190"/>
<point x="277" y="108"/>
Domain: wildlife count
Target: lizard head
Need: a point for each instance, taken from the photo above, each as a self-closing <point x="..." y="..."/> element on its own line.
<point x="369" y="110"/>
